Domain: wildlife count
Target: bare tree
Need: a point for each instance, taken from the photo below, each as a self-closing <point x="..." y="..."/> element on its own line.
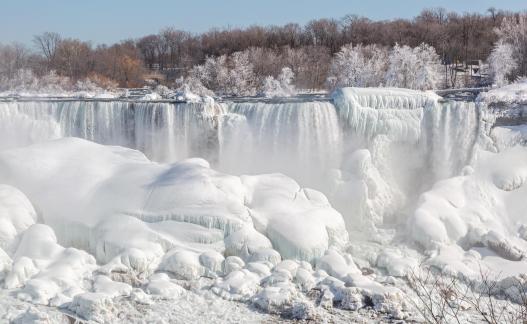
<point x="48" y="43"/>
<point x="444" y="298"/>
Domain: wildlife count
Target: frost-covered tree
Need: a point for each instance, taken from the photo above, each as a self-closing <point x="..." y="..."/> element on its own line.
<point x="281" y="87"/>
<point x="192" y="85"/>
<point x="13" y="58"/>
<point x="358" y="66"/>
<point x="213" y="74"/>
<point x="413" y="68"/>
<point x="502" y="63"/>
<point x="25" y="80"/>
<point x="428" y="75"/>
<point x="233" y="75"/>
<point x="22" y="80"/>
<point x="513" y="31"/>
<point x="241" y="78"/>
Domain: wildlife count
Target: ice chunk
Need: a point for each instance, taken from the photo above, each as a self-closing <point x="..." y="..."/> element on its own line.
<point x="237" y="285"/>
<point x="183" y="264"/>
<point x="103" y="284"/>
<point x="281" y="210"/>
<point x="161" y="284"/>
<point x="16" y="215"/>
<point x="92" y="306"/>
<point x="48" y="272"/>
<point x="337" y="265"/>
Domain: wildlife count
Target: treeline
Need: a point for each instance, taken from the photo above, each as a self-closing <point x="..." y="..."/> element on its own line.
<point x="171" y="56"/>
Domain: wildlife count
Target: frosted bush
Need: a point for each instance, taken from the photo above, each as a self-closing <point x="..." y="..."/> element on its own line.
<point x="413" y="68"/>
<point x="26" y="81"/>
<point x="23" y="79"/>
<point x="241" y="78"/>
<point x="502" y="63"/>
<point x="194" y="86"/>
<point x="86" y="85"/>
<point x="281" y="87"/>
<point x="54" y="83"/>
<point x="358" y="66"/>
<point x="225" y="75"/>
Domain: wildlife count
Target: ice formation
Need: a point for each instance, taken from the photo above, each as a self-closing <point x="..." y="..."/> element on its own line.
<point x="108" y="201"/>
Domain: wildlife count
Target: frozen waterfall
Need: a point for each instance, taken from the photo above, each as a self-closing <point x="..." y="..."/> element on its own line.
<point x="369" y="150"/>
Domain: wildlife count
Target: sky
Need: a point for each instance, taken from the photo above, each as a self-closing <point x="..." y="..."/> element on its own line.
<point x="109" y="21"/>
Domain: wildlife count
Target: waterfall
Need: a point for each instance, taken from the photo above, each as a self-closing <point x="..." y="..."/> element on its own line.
<point x="372" y="151"/>
<point x="300" y="139"/>
<point x="397" y="143"/>
<point x="165" y="132"/>
<point x="451" y="132"/>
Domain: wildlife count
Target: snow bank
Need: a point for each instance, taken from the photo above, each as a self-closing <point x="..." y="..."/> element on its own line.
<point x="509" y="136"/>
<point x="515" y="93"/>
<point x="485" y="208"/>
<point x="100" y="195"/>
<point x="285" y="212"/>
<point x="49" y="273"/>
<point x="16" y="215"/>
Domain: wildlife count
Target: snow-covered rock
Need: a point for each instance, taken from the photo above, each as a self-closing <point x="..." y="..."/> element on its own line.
<point x="47" y="272"/>
<point x="16" y="215"/>
<point x="510" y="94"/>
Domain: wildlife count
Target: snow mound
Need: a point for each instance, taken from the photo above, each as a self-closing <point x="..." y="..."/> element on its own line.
<point x="115" y="203"/>
<point x="509" y="136"/>
<point x="515" y="93"/>
<point x="484" y="209"/>
<point x="49" y="273"/>
<point x="16" y="215"/>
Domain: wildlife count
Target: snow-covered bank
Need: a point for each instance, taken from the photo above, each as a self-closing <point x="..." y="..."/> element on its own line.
<point x="399" y="178"/>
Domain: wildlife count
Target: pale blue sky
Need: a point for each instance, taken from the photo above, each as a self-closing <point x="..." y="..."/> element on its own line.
<point x="106" y="21"/>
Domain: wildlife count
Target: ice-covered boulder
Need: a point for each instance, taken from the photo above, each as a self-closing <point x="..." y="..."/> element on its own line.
<point x="285" y="213"/>
<point x="183" y="264"/>
<point x="161" y="284"/>
<point x="91" y="306"/>
<point x="16" y="215"/>
<point x="337" y="265"/>
<point x="467" y="208"/>
<point x="46" y="272"/>
<point x="238" y="285"/>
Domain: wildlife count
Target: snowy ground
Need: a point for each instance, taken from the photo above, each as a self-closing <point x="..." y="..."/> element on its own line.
<point x="103" y="234"/>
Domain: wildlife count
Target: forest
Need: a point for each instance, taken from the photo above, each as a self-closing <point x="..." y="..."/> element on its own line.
<point x="437" y="49"/>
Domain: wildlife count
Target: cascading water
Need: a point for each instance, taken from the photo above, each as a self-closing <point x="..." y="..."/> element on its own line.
<point x="300" y="139"/>
<point x="451" y="132"/>
<point x="370" y="151"/>
<point x="397" y="143"/>
<point x="165" y="132"/>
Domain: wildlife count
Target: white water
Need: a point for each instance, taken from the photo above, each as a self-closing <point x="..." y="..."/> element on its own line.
<point x="302" y="140"/>
<point x="412" y="140"/>
<point x="164" y="132"/>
